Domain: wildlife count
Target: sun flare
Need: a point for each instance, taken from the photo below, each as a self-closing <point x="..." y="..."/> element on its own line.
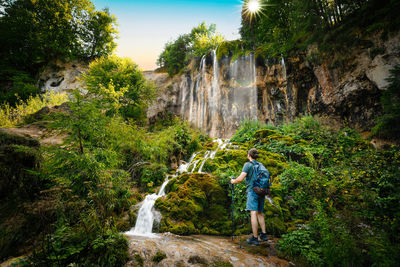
<point x="252" y="8"/>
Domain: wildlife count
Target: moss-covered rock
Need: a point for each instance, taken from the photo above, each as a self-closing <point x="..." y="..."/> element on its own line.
<point x="159" y="256"/>
<point x="196" y="203"/>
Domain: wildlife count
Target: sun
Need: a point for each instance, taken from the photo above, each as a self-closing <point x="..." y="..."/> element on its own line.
<point x="252" y="8"/>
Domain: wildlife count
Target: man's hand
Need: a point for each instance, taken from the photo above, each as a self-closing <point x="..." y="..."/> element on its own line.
<point x="233" y="181"/>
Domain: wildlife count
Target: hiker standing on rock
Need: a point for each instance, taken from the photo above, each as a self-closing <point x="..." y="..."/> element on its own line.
<point x="255" y="195"/>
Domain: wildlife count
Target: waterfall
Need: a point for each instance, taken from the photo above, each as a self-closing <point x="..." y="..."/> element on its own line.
<point x="219" y="98"/>
<point x="146" y="213"/>
<point x="145" y="219"/>
<point x="284" y="69"/>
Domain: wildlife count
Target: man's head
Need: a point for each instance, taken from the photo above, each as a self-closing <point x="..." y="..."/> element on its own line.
<point x="252" y="154"/>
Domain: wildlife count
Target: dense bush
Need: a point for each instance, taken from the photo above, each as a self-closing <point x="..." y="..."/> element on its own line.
<point x="336" y="196"/>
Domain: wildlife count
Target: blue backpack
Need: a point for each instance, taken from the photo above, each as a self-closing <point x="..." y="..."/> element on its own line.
<point x="261" y="179"/>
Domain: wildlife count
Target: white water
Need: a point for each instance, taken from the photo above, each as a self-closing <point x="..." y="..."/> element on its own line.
<point x="216" y="99"/>
<point x="145" y="219"/>
<point x="284" y="69"/>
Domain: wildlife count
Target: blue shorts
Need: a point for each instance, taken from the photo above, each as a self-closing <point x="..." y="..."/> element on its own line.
<point x="254" y="201"/>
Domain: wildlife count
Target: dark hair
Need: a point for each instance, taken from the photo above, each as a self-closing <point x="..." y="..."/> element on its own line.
<point x="253" y="153"/>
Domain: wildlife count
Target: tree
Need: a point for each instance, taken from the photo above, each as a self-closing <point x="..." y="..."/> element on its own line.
<point x="198" y="42"/>
<point x="119" y="86"/>
<point x="34" y="33"/>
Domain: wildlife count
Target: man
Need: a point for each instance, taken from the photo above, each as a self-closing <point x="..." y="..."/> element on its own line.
<point x="255" y="203"/>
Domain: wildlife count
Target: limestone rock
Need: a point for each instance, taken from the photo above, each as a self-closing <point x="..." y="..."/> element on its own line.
<point x="62" y="76"/>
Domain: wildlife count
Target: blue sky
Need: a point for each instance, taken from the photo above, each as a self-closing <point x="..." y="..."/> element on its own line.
<point x="145" y="26"/>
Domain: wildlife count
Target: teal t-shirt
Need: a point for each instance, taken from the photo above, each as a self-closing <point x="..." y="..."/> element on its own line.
<point x="248" y="168"/>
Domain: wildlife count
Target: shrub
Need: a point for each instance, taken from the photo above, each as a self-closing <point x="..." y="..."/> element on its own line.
<point x="13" y="116"/>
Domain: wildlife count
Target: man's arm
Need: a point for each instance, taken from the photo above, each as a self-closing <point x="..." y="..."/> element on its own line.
<point x="239" y="179"/>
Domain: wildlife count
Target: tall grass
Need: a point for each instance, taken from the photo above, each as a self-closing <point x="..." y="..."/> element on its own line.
<point x="13" y="116"/>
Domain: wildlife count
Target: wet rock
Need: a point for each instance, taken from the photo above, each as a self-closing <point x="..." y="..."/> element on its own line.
<point x="196" y="259"/>
<point x="197" y="250"/>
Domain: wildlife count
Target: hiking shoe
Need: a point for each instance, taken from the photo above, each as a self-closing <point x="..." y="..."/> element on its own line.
<point x="252" y="241"/>
<point x="263" y="237"/>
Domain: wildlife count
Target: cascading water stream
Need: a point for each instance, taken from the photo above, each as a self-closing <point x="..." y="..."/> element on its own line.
<point x="145" y="219"/>
<point x="284" y="69"/>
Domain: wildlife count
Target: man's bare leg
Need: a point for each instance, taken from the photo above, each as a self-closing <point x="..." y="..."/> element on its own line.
<point x="254" y="222"/>
<point x="261" y="221"/>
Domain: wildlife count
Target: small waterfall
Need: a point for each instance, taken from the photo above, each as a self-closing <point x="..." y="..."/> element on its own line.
<point x="184" y="167"/>
<point x="284" y="69"/>
<point x="146" y="213"/>
<point x="145" y="219"/>
<point x="211" y="154"/>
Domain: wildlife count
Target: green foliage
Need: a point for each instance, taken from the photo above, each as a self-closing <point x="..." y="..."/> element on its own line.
<point x="246" y="131"/>
<point x="284" y="26"/>
<point x="300" y="243"/>
<point x="388" y="125"/>
<point x="120" y="86"/>
<point x="34" y="33"/>
<point x="13" y="116"/>
<point x="177" y="54"/>
<point x="86" y="245"/>
<point x="231" y="48"/>
<point x="22" y="86"/>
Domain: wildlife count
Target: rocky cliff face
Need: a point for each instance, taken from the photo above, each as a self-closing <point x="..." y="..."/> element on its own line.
<point x="215" y="95"/>
<point x="62" y="76"/>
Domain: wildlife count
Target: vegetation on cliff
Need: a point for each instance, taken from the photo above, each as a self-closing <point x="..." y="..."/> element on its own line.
<point x="285" y="26"/>
<point x="177" y="54"/>
<point x="388" y="125"/>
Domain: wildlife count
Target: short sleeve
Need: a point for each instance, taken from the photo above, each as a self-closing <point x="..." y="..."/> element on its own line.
<point x="246" y="167"/>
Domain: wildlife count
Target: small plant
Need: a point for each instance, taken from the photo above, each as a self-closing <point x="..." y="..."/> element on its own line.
<point x="159" y="256"/>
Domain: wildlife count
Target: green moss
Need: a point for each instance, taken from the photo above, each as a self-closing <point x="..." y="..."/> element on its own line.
<point x="220" y="264"/>
<point x="196" y="203"/>
<point x="138" y="259"/>
<point x="159" y="256"/>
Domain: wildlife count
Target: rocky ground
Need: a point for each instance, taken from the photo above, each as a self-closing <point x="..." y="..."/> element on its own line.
<point x="200" y="250"/>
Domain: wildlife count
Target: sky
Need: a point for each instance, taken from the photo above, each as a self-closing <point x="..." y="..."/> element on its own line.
<point x="146" y="25"/>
